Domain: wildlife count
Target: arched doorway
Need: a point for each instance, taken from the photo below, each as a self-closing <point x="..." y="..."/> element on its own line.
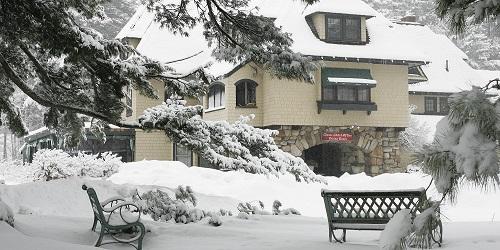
<point x="325" y="158"/>
<point x="334" y="159"/>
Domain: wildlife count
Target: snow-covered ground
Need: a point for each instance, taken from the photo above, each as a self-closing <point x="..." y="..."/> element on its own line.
<point x="51" y="215"/>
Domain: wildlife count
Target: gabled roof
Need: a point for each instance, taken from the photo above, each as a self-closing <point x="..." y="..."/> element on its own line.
<point x="448" y="70"/>
<point x="359" y="8"/>
<point x="386" y="42"/>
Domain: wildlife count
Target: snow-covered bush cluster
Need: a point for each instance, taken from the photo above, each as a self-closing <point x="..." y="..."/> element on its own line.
<point x="228" y="146"/>
<point x="412" y="138"/>
<point x="287" y="211"/>
<point x="161" y="207"/>
<point x="257" y="207"/>
<point x="57" y="164"/>
<point x="6" y="213"/>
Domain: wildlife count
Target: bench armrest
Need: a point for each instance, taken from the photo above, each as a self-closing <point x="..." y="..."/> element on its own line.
<point x="111" y="200"/>
<point x="119" y="207"/>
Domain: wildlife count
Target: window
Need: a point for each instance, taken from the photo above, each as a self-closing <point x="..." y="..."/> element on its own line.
<point x="346" y="94"/>
<point x="343" y="29"/>
<point x="183" y="154"/>
<point x="443" y="105"/>
<point x="246" y="93"/>
<point x="216" y="96"/>
<point x="128" y="101"/>
<point x="430" y="104"/>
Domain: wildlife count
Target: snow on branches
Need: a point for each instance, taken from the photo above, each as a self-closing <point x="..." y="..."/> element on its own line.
<point x="465" y="143"/>
<point x="229" y="146"/>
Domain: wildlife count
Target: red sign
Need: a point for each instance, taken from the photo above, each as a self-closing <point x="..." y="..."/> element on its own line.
<point x="336" y="137"/>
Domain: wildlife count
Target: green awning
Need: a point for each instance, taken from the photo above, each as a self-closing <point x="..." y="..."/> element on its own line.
<point x="345" y="76"/>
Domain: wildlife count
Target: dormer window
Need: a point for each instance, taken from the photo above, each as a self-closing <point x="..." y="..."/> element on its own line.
<point x="343" y="29"/>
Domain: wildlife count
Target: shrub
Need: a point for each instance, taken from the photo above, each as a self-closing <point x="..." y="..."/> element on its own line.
<point x="57" y="164"/>
<point x="287" y="211"/>
<point x="161" y="207"/>
<point x="6" y="213"/>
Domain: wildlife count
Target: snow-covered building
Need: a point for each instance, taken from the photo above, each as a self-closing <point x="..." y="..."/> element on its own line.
<point x="446" y="72"/>
<point x="119" y="141"/>
<point x="348" y="121"/>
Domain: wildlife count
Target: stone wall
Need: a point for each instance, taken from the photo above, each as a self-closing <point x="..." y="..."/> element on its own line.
<point x="372" y="150"/>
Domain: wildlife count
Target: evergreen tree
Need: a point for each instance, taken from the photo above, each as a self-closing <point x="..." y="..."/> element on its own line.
<point x="75" y="72"/>
<point x="464" y="148"/>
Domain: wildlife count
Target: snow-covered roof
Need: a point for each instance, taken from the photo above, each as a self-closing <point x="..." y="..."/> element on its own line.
<point x="386" y="43"/>
<point x="45" y="131"/>
<point x="348" y="7"/>
<point x="448" y="70"/>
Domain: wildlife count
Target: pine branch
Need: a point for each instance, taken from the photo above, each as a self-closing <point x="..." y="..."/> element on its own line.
<point x="11" y="74"/>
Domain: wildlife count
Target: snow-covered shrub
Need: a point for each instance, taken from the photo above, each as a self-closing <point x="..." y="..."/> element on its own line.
<point x="185" y="194"/>
<point x="414" y="136"/>
<point x="6" y="213"/>
<point x="215" y="221"/>
<point x="252" y="207"/>
<point x="286" y="211"/>
<point x="396" y="231"/>
<point x="243" y="216"/>
<point x="57" y="164"/>
<point x="53" y="164"/>
<point x="161" y="207"/>
<point x="103" y="165"/>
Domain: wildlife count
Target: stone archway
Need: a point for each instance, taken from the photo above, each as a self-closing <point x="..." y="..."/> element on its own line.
<point x="379" y="146"/>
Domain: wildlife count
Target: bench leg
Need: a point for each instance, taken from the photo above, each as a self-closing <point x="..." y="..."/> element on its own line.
<point x="101" y="236"/>
<point x="342" y="238"/>
<point x="330" y="232"/>
<point x="94" y="224"/>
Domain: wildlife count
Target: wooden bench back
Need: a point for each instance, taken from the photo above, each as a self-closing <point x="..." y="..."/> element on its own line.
<point x="96" y="205"/>
<point x="370" y="207"/>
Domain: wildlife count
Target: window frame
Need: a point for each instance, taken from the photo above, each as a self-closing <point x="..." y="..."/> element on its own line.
<point x="246" y="102"/>
<point x="447" y="110"/>
<point x="356" y="94"/>
<point x="175" y="146"/>
<point x="433" y="98"/>
<point x="343" y="28"/>
<point x="221" y="88"/>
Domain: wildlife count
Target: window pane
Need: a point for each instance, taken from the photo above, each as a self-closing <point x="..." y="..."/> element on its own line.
<point x="334" y="28"/>
<point x="363" y="94"/>
<point x="328" y="93"/>
<point x="211" y="98"/>
<point x="443" y="105"/>
<point x="217" y="97"/>
<point x="251" y="95"/>
<point x="352" y="29"/>
<point x="183" y="154"/>
<point x="430" y="104"/>
<point x="240" y="94"/>
<point x="222" y="96"/>
<point x="345" y="93"/>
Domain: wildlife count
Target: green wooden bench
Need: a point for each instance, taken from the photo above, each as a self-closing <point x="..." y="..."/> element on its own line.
<point x="372" y="210"/>
<point x="118" y="219"/>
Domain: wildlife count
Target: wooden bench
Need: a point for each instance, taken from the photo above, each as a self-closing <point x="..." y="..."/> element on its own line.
<point x="117" y="219"/>
<point x="372" y="210"/>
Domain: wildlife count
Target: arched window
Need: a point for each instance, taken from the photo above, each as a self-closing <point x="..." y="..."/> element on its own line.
<point x="246" y="93"/>
<point x="216" y="96"/>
